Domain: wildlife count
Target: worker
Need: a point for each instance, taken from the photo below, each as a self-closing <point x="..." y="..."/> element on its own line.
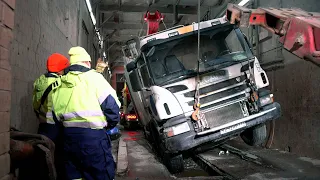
<point x="44" y="87"/>
<point x="42" y="95"/>
<point x="85" y="103"/>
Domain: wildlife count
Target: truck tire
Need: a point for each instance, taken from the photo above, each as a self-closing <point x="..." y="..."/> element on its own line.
<point x="154" y="139"/>
<point x="147" y="133"/>
<point x="174" y="163"/>
<point x="255" y="135"/>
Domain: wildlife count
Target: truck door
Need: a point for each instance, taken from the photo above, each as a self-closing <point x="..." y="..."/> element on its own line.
<point x="146" y="81"/>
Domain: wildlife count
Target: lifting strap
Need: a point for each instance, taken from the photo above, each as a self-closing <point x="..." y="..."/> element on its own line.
<point x="45" y="95"/>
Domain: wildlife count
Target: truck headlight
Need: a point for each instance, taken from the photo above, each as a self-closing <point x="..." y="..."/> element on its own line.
<point x="177" y="129"/>
<point x="265" y="100"/>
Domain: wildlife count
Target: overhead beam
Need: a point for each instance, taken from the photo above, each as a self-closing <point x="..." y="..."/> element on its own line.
<point x="108" y="36"/>
<point x="181" y="9"/>
<point x="120" y="26"/>
<point x="105" y="21"/>
<point x="111" y="46"/>
<point x="125" y="25"/>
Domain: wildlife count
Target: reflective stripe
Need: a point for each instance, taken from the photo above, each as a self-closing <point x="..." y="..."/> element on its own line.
<point x="46" y="118"/>
<point x="93" y="124"/>
<point x="49" y="115"/>
<point x="43" y="119"/>
<point x="82" y="114"/>
<point x="103" y="96"/>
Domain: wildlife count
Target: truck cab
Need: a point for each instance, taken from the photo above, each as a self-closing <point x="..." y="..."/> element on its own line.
<point x="167" y="81"/>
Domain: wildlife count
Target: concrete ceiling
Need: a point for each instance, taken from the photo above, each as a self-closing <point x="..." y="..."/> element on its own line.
<point x="121" y="20"/>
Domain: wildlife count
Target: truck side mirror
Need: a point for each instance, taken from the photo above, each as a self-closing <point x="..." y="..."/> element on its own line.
<point x="131" y="66"/>
<point x="135" y="81"/>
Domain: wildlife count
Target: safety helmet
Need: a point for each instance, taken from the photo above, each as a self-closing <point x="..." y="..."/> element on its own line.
<point x="57" y="62"/>
<point x="78" y="54"/>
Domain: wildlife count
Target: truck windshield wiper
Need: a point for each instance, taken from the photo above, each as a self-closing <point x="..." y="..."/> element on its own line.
<point x="184" y="76"/>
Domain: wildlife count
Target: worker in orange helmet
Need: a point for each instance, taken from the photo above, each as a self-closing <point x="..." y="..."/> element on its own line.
<point x="44" y="87"/>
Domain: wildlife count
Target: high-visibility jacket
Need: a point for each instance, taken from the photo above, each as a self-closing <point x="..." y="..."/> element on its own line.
<point x="86" y="100"/>
<point x="44" y="111"/>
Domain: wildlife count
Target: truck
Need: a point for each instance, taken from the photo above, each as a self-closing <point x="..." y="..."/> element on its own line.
<point x="128" y="118"/>
<point x="185" y="100"/>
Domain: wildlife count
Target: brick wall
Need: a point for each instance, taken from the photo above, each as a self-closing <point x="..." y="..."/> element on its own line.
<point x="40" y="29"/>
<point x="7" y="8"/>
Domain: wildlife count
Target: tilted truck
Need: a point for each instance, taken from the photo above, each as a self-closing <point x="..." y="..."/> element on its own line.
<point x="184" y="102"/>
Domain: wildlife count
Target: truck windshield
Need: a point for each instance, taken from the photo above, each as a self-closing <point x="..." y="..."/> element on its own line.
<point x="177" y="59"/>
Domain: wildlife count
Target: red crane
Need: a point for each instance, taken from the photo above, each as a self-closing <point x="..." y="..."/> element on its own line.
<point x="153" y="21"/>
<point x="299" y="30"/>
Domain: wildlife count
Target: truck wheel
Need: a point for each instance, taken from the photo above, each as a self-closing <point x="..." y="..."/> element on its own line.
<point x="174" y="163"/>
<point x="255" y="135"/>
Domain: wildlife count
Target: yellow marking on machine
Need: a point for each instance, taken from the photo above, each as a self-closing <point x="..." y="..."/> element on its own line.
<point x="185" y="29"/>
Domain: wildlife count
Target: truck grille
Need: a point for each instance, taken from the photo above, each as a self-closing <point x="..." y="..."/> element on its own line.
<point x="224" y="115"/>
<point x="220" y="92"/>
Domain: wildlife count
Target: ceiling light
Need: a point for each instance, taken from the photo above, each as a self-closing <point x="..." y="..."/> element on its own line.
<point x="93" y="19"/>
<point x="243" y="2"/>
<point x="89" y="5"/>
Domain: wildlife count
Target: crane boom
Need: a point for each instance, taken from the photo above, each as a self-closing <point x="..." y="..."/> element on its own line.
<point x="299" y="30"/>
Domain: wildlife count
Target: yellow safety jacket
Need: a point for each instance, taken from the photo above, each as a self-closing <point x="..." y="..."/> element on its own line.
<point x="42" y="97"/>
<point x="85" y="99"/>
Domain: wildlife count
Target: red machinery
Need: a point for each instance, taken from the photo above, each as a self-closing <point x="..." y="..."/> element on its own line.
<point x="153" y="21"/>
<point x="299" y="30"/>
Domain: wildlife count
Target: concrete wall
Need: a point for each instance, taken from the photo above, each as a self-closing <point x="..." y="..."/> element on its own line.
<point x="296" y="88"/>
<point x="40" y="29"/>
<point x="7" y="8"/>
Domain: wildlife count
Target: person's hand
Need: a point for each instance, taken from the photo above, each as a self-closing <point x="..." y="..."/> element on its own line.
<point x="100" y="67"/>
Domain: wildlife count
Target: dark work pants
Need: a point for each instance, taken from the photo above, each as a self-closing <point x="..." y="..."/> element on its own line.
<point x="87" y="154"/>
<point x="53" y="132"/>
<point x="49" y="130"/>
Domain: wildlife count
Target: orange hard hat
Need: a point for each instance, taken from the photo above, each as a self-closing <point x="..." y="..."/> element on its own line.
<point x="57" y="62"/>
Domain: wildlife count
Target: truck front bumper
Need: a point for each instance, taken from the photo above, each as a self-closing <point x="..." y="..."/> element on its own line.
<point x="191" y="139"/>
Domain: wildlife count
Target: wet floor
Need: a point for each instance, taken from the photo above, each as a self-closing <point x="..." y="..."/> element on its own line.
<point x="242" y="162"/>
<point x="144" y="164"/>
<point x="142" y="161"/>
<point x="191" y="169"/>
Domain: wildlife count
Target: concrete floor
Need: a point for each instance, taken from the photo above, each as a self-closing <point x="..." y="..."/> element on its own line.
<point x="143" y="164"/>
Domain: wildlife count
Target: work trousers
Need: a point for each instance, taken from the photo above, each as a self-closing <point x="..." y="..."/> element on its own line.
<point x="49" y="130"/>
<point x="87" y="154"/>
<point x="54" y="132"/>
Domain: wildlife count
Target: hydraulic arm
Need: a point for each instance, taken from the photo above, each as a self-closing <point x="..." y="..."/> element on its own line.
<point x="299" y="30"/>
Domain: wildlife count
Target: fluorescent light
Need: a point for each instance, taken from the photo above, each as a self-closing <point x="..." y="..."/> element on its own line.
<point x="93" y="19"/>
<point x="243" y="2"/>
<point x="99" y="36"/>
<point x="89" y="5"/>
